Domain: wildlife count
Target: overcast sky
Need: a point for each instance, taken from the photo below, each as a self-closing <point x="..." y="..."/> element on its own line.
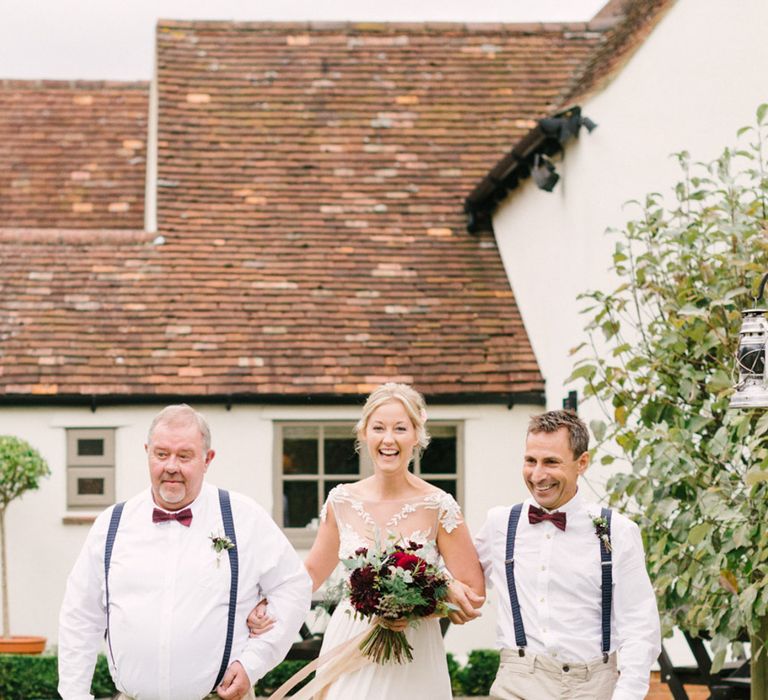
<point x="113" y="39"/>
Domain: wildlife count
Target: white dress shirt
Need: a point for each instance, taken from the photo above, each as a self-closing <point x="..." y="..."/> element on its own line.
<point x="558" y="577"/>
<point x="169" y="598"/>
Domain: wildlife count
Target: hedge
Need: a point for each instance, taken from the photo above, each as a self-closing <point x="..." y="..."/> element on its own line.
<point x="24" y="677"/>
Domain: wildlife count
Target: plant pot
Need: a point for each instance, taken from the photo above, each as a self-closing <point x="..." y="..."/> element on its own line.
<point x="22" y="645"/>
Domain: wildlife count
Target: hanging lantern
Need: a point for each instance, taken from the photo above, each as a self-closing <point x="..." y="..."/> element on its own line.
<point x="752" y="388"/>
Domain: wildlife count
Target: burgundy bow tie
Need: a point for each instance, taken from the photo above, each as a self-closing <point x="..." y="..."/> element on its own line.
<point x="183" y="516"/>
<point x="536" y="515"/>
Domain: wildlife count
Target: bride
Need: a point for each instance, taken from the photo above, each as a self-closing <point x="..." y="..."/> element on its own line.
<point x="391" y="502"/>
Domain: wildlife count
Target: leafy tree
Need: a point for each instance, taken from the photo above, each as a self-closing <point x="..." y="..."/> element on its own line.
<point x="21" y="468"/>
<point x="660" y="364"/>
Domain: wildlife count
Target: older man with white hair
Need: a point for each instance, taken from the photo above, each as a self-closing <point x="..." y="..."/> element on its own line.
<point x="169" y="577"/>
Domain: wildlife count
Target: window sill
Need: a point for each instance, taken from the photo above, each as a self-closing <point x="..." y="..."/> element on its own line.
<point x="300" y="538"/>
<point x="79" y="518"/>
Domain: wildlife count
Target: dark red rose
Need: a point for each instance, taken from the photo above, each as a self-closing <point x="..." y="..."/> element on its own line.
<point x="409" y="562"/>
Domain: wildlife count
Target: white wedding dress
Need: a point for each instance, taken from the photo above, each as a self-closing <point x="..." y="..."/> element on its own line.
<point x="417" y="519"/>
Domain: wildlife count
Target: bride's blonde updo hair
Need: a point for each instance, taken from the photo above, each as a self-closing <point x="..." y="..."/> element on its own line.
<point x="414" y="405"/>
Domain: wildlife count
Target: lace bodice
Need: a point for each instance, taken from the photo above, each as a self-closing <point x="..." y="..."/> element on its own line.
<point x="416" y="519"/>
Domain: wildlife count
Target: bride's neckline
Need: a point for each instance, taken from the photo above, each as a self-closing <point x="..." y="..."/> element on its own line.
<point x="417" y="497"/>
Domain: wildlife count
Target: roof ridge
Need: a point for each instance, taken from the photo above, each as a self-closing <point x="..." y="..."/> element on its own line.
<point x="594" y="25"/>
<point x="81" y="236"/>
<point x="38" y="83"/>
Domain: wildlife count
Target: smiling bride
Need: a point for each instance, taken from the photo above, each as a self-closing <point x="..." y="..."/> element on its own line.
<point x="393" y="503"/>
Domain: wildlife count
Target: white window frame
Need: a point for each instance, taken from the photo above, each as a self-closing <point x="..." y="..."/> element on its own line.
<point x="90" y="466"/>
<point x="302" y="538"/>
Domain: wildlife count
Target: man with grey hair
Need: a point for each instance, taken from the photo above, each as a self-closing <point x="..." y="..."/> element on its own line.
<point x="573" y="589"/>
<point x="169" y="576"/>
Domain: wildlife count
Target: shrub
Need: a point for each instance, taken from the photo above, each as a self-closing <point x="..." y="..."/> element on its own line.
<point x="278" y="675"/>
<point x="23" y="677"/>
<point x="477" y="676"/>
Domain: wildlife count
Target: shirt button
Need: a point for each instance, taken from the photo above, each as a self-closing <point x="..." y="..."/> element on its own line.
<point x="566" y="668"/>
<point x="543" y="568"/>
<point x="549" y="537"/>
<point x="541" y="600"/>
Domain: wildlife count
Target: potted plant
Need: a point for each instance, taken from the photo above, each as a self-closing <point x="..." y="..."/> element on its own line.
<point x="21" y="468"/>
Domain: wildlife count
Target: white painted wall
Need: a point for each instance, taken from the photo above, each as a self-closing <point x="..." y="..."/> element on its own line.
<point x="41" y="549"/>
<point x="699" y="77"/>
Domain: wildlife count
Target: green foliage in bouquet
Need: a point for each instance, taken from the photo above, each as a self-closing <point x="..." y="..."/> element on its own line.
<point x="661" y="365"/>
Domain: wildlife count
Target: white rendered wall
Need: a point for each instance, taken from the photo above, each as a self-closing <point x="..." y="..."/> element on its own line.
<point x="699" y="77"/>
<point x="41" y="549"/>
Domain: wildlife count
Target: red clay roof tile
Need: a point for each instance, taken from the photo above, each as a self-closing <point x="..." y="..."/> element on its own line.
<point x="72" y="154"/>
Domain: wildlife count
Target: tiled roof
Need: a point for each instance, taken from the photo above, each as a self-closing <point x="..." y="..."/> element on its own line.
<point x="310" y="194"/>
<point x="72" y="154"/>
<point x="633" y="21"/>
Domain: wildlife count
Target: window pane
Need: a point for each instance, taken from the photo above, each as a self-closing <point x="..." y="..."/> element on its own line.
<point x="340" y="456"/>
<point x="300" y="455"/>
<point x="90" y="447"/>
<point x="90" y="487"/>
<point x="330" y="484"/>
<point x="448" y="485"/>
<point x="299" y="503"/>
<point x="440" y="456"/>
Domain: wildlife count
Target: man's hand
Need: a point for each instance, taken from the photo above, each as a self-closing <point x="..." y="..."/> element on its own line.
<point x="258" y="620"/>
<point x="235" y="683"/>
<point x="467" y="602"/>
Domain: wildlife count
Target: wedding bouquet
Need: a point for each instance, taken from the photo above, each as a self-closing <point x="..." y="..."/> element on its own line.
<point x="393" y="582"/>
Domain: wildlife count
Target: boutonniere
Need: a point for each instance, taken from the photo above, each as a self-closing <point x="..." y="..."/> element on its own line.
<point x="601" y="530"/>
<point x="220" y="543"/>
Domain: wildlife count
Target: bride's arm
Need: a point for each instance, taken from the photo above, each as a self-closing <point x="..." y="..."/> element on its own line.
<point x="460" y="557"/>
<point x="320" y="562"/>
<point x="324" y="555"/>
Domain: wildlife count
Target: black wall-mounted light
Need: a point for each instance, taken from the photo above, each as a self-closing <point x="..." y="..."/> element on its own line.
<point x="752" y="388"/>
<point x="571" y="402"/>
<point x="543" y="173"/>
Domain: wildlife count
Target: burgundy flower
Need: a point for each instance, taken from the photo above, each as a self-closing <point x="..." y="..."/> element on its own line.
<point x="363" y="596"/>
<point x="409" y="562"/>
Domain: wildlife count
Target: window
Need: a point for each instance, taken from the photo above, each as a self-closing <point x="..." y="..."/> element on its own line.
<point x="312" y="458"/>
<point x="90" y="467"/>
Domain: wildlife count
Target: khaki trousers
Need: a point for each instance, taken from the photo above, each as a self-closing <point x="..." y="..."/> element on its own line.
<point x="248" y="696"/>
<point x="532" y="677"/>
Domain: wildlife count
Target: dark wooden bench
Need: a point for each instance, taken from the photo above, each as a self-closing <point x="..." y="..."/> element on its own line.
<point x="730" y="683"/>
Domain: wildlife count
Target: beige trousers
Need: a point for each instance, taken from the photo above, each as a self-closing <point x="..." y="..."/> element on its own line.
<point x="532" y="677"/>
<point x="248" y="696"/>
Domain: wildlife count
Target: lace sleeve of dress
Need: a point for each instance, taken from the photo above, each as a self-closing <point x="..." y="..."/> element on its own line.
<point x="331" y="497"/>
<point x="450" y="516"/>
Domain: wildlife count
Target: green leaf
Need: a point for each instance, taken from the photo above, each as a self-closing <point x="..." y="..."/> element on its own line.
<point x="761" y="110"/>
<point x="698" y="533"/>
<point x="598" y="429"/>
<point x="583" y="372"/>
<point x="718" y="661"/>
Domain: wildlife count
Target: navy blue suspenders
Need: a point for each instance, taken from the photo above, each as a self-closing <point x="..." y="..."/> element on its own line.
<point x="229" y="531"/>
<point x="114" y="522"/>
<point x="509" y="562"/>
<point x="606" y="564"/>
